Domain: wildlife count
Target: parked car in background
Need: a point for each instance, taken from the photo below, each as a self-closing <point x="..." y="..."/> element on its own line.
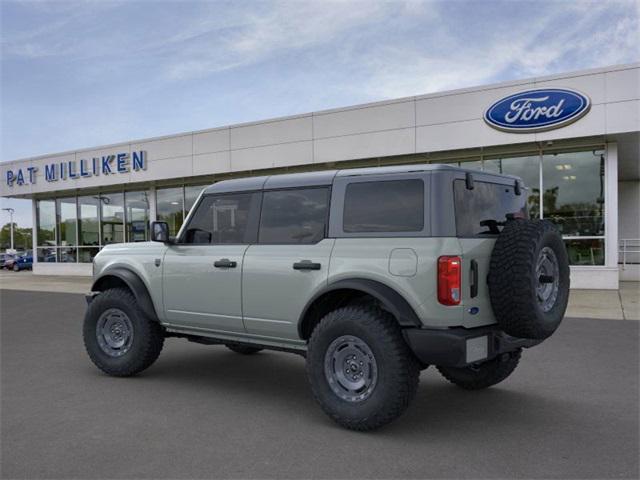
<point x="23" y="262"/>
<point x="6" y="258"/>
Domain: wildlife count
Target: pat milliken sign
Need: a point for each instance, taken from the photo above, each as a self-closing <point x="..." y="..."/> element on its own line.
<point x="537" y="110"/>
<point x="117" y="163"/>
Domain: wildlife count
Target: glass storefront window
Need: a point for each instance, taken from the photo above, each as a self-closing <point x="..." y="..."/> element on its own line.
<point x="112" y="218"/>
<point x="74" y="229"/>
<point x="67" y="255"/>
<point x="585" y="251"/>
<point x="86" y="254"/>
<point x="190" y="196"/>
<point x="88" y="220"/>
<point x="46" y="218"/>
<point x="67" y="213"/>
<point x="527" y="168"/>
<point x="472" y="165"/>
<point x="574" y="192"/>
<point x="46" y="255"/>
<point x="137" y="216"/>
<point x="169" y="208"/>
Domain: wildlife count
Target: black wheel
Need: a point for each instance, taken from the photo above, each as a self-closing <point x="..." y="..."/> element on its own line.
<point x="118" y="337"/>
<point x="243" y="349"/>
<point x="360" y="369"/>
<point x="483" y="375"/>
<point x="529" y="278"/>
<point x="16" y="268"/>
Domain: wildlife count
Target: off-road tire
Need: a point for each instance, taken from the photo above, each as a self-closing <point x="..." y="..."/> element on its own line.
<point x="398" y="370"/>
<point x="513" y="281"/>
<point x="147" y="341"/>
<point x="485" y="374"/>
<point x="242" y="349"/>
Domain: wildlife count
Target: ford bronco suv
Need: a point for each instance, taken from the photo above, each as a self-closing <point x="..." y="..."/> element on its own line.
<point x="371" y="274"/>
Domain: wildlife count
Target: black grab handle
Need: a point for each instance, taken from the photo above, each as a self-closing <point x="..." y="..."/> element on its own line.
<point x="474" y="279"/>
<point x="225" y="263"/>
<point x="306" y="265"/>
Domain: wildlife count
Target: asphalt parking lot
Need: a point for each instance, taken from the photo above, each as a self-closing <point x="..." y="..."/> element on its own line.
<point x="569" y="411"/>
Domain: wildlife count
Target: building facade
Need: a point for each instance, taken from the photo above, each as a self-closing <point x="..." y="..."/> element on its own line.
<point x="573" y="138"/>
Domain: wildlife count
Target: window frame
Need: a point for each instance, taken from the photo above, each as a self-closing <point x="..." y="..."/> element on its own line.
<point x="336" y="220"/>
<point x="325" y="232"/>
<point x="253" y="221"/>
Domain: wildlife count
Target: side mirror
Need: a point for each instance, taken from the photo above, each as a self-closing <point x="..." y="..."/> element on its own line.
<point x="160" y="232"/>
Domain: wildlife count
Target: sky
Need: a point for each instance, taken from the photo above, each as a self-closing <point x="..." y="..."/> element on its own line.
<point x="86" y="73"/>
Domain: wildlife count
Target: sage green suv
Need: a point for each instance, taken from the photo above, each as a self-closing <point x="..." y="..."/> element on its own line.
<point x="371" y="274"/>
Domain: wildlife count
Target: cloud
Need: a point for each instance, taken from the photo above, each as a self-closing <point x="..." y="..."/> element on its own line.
<point x="287" y="26"/>
<point x="526" y="47"/>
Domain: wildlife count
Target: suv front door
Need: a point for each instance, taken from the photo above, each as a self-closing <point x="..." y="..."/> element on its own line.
<point x="289" y="263"/>
<point x="202" y="272"/>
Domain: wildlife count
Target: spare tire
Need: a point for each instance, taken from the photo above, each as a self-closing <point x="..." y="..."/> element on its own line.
<point x="529" y="278"/>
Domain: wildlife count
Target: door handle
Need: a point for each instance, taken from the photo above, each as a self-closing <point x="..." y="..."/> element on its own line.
<point x="225" y="263"/>
<point x="474" y="279"/>
<point x="306" y="265"/>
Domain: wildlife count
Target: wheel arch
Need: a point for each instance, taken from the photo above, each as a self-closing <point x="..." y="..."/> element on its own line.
<point x="344" y="291"/>
<point x="124" y="277"/>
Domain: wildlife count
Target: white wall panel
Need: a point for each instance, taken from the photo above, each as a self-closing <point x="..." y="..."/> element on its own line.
<point x="623" y="116"/>
<point x="360" y="120"/>
<point x="212" y="141"/>
<point x="71" y="269"/>
<point x="166" y="168"/>
<point x="590" y="278"/>
<point x="271" y="156"/>
<point x="6" y="190"/>
<point x="465" y="106"/>
<point x="208" y="163"/>
<point x="271" y="133"/>
<point x="166" y="147"/>
<point x="623" y="85"/>
<point x="592" y="85"/>
<point x="593" y="123"/>
<point x="379" y="144"/>
<point x="469" y="134"/>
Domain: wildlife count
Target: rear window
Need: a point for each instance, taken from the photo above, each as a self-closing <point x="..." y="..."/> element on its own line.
<point x="294" y="216"/>
<point x="483" y="210"/>
<point x="387" y="206"/>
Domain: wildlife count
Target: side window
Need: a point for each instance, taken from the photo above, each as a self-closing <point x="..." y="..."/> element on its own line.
<point x="384" y="206"/>
<point x="294" y="216"/>
<point x="222" y="219"/>
<point x="483" y="210"/>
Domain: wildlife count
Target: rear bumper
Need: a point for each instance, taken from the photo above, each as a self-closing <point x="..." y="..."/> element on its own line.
<point x="459" y="347"/>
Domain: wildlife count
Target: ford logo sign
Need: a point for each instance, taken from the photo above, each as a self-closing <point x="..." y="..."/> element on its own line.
<point x="537" y="110"/>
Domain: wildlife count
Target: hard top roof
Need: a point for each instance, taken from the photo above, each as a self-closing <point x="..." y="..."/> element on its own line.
<point x="326" y="177"/>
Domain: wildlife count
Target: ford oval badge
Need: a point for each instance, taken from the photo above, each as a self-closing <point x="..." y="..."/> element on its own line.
<point x="537" y="110"/>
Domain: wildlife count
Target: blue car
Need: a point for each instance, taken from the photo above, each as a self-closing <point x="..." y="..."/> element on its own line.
<point x="23" y="262"/>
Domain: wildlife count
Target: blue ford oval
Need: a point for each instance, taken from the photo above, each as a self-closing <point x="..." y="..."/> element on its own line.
<point x="537" y="110"/>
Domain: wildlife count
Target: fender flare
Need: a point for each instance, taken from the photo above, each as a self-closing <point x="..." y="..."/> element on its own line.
<point x="391" y="300"/>
<point x="135" y="284"/>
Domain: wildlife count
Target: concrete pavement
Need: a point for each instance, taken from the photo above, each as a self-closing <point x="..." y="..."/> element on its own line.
<point x="570" y="410"/>
<point x="27" y="281"/>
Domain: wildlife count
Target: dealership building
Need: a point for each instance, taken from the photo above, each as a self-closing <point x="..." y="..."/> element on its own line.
<point x="573" y="138"/>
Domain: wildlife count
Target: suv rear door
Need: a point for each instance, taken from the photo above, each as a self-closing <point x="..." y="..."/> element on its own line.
<point x="479" y="214"/>
<point x="290" y="261"/>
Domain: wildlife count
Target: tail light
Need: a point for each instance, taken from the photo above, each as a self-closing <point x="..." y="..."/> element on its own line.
<point x="449" y="281"/>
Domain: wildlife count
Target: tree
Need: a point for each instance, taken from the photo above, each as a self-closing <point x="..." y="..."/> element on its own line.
<point x="22" y="237"/>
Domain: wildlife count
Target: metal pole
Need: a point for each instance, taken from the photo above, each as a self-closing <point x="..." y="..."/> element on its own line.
<point x="10" y="210"/>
